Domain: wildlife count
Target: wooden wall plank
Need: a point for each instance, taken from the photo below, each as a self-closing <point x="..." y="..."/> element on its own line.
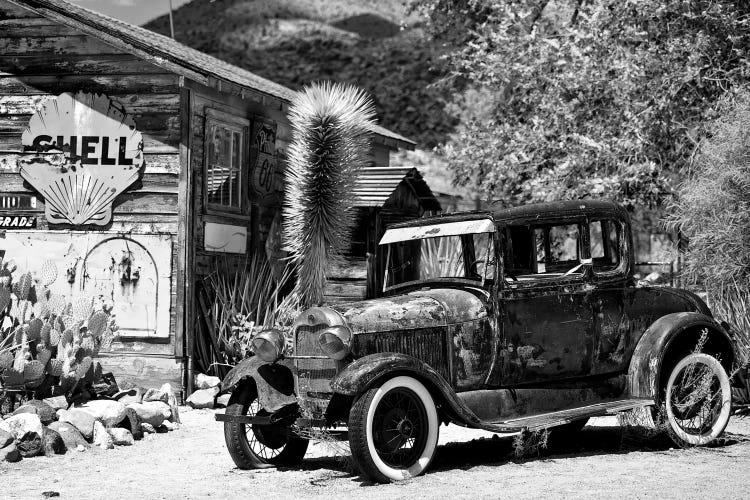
<point x="159" y="163"/>
<point x="133" y="103"/>
<point x="12" y="11"/>
<point x="135" y="203"/>
<point x="149" y="183"/>
<point x="144" y="371"/>
<point x="69" y="64"/>
<point x="109" y="84"/>
<point x="67" y="44"/>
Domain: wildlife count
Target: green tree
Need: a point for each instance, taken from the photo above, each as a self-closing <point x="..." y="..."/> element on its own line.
<point x="585" y="98"/>
<point x="712" y="209"/>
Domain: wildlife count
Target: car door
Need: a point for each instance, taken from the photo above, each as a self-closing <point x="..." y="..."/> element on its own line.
<point x="546" y="303"/>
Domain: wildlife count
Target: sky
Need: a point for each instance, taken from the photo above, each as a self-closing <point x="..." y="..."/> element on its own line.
<point x="132" y="11"/>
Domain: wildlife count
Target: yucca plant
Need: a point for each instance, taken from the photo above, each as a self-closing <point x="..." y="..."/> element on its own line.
<point x="246" y="298"/>
<point x="331" y="126"/>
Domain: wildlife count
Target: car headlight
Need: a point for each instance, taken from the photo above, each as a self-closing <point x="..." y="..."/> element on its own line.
<point x="335" y="341"/>
<point x="269" y="345"/>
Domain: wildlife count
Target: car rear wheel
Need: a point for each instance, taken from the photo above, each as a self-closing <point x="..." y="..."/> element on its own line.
<point x="259" y="446"/>
<point x="393" y="430"/>
<point x="697" y="400"/>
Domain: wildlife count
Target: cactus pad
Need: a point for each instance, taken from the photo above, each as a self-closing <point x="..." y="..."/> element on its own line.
<point x="55" y="367"/>
<point x="48" y="273"/>
<point x="34" y="329"/>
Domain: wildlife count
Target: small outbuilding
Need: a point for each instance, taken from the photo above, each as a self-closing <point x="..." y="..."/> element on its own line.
<point x="131" y="162"/>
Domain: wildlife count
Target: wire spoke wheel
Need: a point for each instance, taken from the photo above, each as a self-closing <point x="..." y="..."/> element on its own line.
<point x="399" y="427"/>
<point x="393" y="430"/>
<point x="698" y="400"/>
<point x="256" y="446"/>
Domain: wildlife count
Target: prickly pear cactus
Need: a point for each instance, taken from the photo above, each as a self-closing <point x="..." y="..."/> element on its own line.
<point x="47" y="340"/>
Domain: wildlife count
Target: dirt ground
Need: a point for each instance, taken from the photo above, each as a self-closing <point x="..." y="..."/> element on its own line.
<point x="192" y="462"/>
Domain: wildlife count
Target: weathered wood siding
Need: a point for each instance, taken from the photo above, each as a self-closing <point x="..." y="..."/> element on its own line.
<point x="41" y="59"/>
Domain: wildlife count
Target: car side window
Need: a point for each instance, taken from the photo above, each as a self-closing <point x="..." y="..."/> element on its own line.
<point x="543" y="251"/>
<point x="484" y="255"/>
<point x="605" y="244"/>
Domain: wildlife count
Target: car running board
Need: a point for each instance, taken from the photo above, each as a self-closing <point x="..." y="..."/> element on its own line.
<point x="553" y="419"/>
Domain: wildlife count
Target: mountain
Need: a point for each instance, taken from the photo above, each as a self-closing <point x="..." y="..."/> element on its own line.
<point x="377" y="45"/>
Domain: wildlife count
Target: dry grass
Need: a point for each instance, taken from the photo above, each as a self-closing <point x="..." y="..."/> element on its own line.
<point x="527" y="444"/>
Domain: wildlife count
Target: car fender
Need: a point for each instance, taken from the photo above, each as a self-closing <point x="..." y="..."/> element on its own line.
<point x="274" y="382"/>
<point x="369" y="371"/>
<point x="644" y="372"/>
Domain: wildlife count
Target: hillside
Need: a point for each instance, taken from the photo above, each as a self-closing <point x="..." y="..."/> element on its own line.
<point x="375" y="45"/>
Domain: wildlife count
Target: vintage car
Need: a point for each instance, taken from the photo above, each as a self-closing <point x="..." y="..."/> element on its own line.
<point x="515" y="320"/>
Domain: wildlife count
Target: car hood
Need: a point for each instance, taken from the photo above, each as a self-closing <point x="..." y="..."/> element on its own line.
<point x="419" y="309"/>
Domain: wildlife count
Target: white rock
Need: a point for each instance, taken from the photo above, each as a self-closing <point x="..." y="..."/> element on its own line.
<point x="110" y="413"/>
<point x="20" y="424"/>
<point x="57" y="402"/>
<point x="171" y="426"/>
<point x="80" y="447"/>
<point x="120" y="436"/>
<point x="203" y="398"/>
<point x="5" y="427"/>
<point x="152" y="412"/>
<point x="162" y="394"/>
<point x="223" y="400"/>
<point x="102" y="438"/>
<point x="205" y="381"/>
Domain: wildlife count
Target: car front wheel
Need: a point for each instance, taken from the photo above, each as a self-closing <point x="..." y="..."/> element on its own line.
<point x="697" y="400"/>
<point x="393" y="430"/>
<point x="259" y="446"/>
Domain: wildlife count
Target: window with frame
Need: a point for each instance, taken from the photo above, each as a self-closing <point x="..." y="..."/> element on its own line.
<point x="544" y="251"/>
<point x="226" y="169"/>
<point x="604" y="236"/>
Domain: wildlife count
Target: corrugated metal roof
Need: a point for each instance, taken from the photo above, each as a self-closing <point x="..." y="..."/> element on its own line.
<point x="169" y="53"/>
<point x="376" y="184"/>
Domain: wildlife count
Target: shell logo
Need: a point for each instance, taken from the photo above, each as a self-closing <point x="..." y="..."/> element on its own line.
<point x="89" y="152"/>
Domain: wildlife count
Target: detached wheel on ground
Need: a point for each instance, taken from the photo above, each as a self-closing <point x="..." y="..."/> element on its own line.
<point x="393" y="430"/>
<point x="259" y="446"/>
<point x="697" y="400"/>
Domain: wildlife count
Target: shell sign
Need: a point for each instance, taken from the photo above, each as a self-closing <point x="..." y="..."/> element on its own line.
<point x="99" y="154"/>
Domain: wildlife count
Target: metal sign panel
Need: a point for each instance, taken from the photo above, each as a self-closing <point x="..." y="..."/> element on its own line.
<point x="99" y="155"/>
<point x="438" y="230"/>
<point x="17" y="222"/>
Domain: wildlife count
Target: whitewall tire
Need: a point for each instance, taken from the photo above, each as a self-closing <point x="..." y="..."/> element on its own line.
<point x="393" y="430"/>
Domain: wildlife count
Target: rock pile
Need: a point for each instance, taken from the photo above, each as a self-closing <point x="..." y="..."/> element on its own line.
<point x="49" y="427"/>
<point x="207" y="390"/>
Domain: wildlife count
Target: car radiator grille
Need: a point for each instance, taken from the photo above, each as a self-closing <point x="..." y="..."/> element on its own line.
<point x="313" y="375"/>
<point x="425" y="344"/>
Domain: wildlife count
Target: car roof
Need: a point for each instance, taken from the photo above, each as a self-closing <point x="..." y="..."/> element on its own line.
<point x="529" y="213"/>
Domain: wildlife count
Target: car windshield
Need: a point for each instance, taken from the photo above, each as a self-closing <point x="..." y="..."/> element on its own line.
<point x="453" y="257"/>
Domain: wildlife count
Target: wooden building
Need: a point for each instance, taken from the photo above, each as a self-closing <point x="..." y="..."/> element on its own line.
<point x="131" y="161"/>
<point x="385" y="195"/>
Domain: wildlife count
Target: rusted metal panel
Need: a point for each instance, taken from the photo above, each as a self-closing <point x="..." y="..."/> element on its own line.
<point x="622" y="315"/>
<point x="274" y="381"/>
<point x="421" y="309"/>
<point x="645" y="367"/>
<point x="548" y="334"/>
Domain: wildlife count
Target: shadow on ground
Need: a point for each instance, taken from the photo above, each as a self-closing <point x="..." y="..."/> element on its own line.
<point x="496" y="450"/>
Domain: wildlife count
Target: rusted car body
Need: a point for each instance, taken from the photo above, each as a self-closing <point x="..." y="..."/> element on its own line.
<point x="509" y="321"/>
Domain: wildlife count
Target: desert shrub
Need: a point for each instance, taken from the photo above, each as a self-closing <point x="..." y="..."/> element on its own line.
<point x="244" y="297"/>
<point x="712" y="210"/>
